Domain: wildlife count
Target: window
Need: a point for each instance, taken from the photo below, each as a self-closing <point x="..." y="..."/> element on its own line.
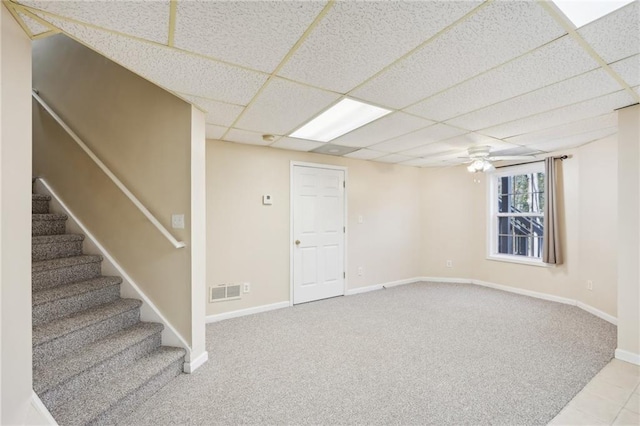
<point x="517" y="214"/>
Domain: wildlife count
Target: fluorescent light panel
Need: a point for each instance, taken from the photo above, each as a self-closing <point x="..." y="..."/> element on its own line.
<point x="341" y="118"/>
<point x="581" y="12"/>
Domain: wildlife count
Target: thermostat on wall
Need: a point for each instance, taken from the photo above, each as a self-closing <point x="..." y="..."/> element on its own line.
<point x="266" y="200"/>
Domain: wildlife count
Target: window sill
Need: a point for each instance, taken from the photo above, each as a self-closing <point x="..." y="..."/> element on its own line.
<point x="519" y="259"/>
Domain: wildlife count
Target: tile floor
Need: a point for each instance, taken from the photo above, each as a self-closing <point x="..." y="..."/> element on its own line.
<point x="612" y="397"/>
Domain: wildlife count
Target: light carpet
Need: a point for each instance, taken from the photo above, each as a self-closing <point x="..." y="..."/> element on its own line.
<point x="424" y="353"/>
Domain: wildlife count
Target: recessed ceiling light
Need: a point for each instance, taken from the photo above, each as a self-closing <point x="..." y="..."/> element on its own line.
<point x="581" y="12"/>
<point x="341" y="118"/>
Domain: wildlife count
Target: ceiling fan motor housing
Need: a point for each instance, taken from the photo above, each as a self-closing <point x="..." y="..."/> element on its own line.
<point x="481" y="151"/>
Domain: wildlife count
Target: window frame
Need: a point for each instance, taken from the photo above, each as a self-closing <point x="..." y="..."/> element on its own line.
<point x="492" y="214"/>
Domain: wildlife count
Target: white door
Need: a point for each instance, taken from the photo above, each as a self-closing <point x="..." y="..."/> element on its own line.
<point x="318" y="233"/>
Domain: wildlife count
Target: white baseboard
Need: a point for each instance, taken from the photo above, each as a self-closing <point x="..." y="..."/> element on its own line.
<point x="446" y="280"/>
<point x="524" y="292"/>
<point x="600" y="314"/>
<point x="39" y="414"/>
<point x="605" y="316"/>
<point x="128" y="288"/>
<point x="375" y="287"/>
<point x="358" y="290"/>
<point x="552" y="298"/>
<point x="190" y="367"/>
<point x="627" y="356"/>
<point x="366" y="289"/>
<point x="400" y="282"/>
<point x="245" y="312"/>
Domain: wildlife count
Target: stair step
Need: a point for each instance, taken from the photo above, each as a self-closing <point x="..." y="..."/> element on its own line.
<point x="48" y="224"/>
<point x="61" y="381"/>
<point x="54" y="272"/>
<point x="63" y="300"/>
<point x="40" y="203"/>
<point x="46" y="247"/>
<point x="57" y="338"/>
<point x="114" y="398"/>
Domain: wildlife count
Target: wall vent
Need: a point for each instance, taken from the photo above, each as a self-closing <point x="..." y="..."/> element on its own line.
<point x="224" y="292"/>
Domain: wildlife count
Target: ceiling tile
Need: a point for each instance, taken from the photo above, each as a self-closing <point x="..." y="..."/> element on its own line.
<point x="553" y="62"/>
<point x="393" y="158"/>
<point x="296" y="144"/>
<point x="575" y="140"/>
<point x="458" y="156"/>
<point x="474" y="139"/>
<point x="628" y="69"/>
<point x="488" y="140"/>
<point x="243" y="136"/>
<point x="436" y="148"/>
<point x="498" y="32"/>
<point x="34" y="26"/>
<point x="384" y="128"/>
<point x="255" y="34"/>
<point x="417" y="162"/>
<point x="617" y="35"/>
<point x="217" y="112"/>
<point x="567" y="130"/>
<point x="421" y="137"/>
<point x="586" y="86"/>
<point x="170" y="68"/>
<point x="144" y="19"/>
<point x="283" y="106"/>
<point x="518" y="150"/>
<point x="366" y="154"/>
<point x="357" y="39"/>
<point x="214" y="132"/>
<point x="567" y="114"/>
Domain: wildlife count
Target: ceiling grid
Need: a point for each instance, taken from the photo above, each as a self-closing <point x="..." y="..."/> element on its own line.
<point x="514" y="76"/>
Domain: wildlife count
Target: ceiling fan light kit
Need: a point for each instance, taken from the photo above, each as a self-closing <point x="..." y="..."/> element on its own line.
<point x="480" y="165"/>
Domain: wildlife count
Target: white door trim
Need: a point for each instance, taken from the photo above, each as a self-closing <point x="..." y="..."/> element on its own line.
<point x="346" y="234"/>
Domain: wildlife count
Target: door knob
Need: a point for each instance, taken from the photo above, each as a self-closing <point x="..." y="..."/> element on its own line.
<point x="297" y="242"/>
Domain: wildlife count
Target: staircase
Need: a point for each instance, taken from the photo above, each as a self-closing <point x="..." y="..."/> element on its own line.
<point x="93" y="360"/>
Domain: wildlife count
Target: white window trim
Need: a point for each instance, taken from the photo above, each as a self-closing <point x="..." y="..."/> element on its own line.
<point x="492" y="240"/>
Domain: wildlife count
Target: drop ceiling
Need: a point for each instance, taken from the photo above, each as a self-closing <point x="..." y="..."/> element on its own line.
<point x="514" y="75"/>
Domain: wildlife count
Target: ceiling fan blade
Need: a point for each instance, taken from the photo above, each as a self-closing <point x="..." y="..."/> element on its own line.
<point x="511" y="157"/>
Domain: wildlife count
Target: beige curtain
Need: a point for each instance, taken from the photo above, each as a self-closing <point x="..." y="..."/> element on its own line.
<point x="551" y="252"/>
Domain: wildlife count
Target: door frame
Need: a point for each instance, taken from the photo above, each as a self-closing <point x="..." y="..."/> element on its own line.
<point x="292" y="166"/>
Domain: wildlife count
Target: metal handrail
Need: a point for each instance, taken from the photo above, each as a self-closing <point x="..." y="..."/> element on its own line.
<point x="109" y="173"/>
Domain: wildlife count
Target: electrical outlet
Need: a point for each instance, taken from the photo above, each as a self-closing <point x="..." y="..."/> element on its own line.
<point x="177" y="221"/>
<point x="360" y="271"/>
<point x="246" y="287"/>
<point x="360" y="219"/>
<point x="449" y="263"/>
<point x="589" y="285"/>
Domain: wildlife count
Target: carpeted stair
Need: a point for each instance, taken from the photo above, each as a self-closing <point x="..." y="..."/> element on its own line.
<point x="94" y="361"/>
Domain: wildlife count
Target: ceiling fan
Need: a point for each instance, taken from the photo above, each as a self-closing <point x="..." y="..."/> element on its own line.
<point x="481" y="160"/>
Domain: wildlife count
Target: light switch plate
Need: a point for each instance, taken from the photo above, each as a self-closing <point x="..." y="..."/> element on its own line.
<point x="267" y="200"/>
<point x="177" y="221"/>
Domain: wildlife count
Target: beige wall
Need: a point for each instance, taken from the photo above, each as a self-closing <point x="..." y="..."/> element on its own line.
<point x="15" y="221"/>
<point x="143" y="134"/>
<point x="629" y="235"/>
<point x="598" y="207"/>
<point x="249" y="242"/>
<point x="414" y="221"/>
<point x="454" y="217"/>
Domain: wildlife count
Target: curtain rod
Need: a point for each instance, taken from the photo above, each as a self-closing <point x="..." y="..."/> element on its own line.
<point x="561" y="157"/>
